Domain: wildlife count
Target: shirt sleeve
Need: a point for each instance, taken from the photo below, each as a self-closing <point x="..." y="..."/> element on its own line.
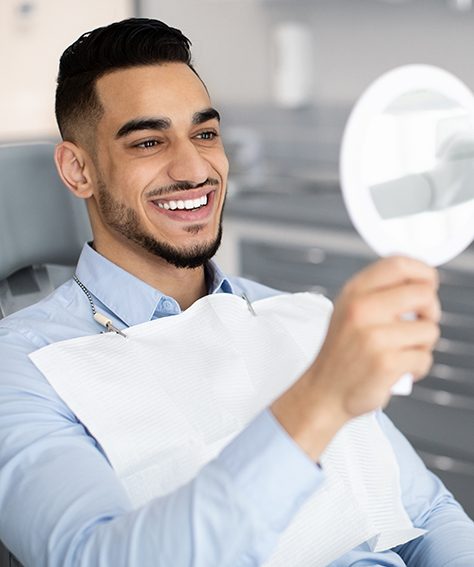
<point x="450" y="537"/>
<point x="62" y="504"/>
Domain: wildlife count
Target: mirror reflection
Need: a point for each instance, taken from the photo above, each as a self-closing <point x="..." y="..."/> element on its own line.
<point x="407" y="167"/>
<point x="432" y="160"/>
<point x="418" y="164"/>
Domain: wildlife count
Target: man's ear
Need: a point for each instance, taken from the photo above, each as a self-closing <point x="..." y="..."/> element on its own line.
<point x="73" y="169"/>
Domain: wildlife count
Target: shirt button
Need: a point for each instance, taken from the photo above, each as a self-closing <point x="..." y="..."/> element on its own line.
<point x="167" y="305"/>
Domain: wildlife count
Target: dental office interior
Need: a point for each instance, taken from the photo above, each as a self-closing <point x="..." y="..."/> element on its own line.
<point x="285" y="76"/>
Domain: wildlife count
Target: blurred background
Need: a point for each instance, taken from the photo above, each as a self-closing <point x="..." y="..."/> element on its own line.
<point x="285" y="74"/>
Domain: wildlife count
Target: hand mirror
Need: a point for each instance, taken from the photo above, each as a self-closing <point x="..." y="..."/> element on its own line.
<point x="407" y="167"/>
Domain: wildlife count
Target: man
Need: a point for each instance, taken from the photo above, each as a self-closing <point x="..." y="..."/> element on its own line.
<point x="141" y="145"/>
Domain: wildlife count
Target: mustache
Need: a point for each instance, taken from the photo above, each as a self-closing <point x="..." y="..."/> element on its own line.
<point x="181" y="186"/>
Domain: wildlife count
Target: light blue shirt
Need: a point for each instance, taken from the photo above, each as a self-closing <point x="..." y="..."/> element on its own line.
<point x="62" y="504"/>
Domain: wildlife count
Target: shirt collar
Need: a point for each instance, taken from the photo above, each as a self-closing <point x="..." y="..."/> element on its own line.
<point x="129" y="298"/>
<point x="217" y="281"/>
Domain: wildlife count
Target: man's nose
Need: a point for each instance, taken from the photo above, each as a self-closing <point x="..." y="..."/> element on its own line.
<point x="187" y="164"/>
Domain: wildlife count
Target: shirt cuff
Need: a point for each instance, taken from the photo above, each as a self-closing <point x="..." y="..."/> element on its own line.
<point x="271" y="471"/>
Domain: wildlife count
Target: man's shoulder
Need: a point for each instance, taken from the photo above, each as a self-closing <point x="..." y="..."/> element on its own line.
<point x="56" y="317"/>
<point x="255" y="291"/>
<point x="252" y="289"/>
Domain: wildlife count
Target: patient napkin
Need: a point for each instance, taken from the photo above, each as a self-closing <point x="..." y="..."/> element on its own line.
<point x="164" y="402"/>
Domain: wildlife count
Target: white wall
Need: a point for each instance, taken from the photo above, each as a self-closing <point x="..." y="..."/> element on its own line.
<point x="229" y="43"/>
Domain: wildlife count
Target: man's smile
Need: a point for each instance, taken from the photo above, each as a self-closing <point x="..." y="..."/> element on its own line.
<point x="189" y="204"/>
<point x="192" y="205"/>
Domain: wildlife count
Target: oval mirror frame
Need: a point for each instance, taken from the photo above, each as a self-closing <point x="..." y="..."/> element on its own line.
<point x="382" y="93"/>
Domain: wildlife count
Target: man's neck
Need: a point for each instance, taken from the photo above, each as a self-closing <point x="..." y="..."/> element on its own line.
<point x="185" y="285"/>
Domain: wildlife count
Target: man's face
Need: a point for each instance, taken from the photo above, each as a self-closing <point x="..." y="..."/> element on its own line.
<point x="161" y="166"/>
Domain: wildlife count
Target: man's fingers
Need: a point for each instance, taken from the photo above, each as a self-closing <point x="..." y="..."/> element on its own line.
<point x="390" y="272"/>
<point x="417" y="362"/>
<point x="404" y="335"/>
<point x="390" y="304"/>
<point x="370" y="342"/>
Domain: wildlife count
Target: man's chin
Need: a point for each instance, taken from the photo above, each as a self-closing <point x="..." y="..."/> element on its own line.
<point x="189" y="257"/>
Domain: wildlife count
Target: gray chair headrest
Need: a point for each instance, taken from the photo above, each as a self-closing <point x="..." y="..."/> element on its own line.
<point x="41" y="222"/>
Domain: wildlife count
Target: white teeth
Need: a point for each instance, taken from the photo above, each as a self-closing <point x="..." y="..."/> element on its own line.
<point x="187" y="204"/>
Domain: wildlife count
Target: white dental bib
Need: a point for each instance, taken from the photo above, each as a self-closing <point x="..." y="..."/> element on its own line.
<point x="165" y="400"/>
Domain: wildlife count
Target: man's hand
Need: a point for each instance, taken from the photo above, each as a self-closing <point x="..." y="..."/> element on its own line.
<point x="368" y="347"/>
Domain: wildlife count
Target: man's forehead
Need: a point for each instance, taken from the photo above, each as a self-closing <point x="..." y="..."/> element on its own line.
<point x="164" y="89"/>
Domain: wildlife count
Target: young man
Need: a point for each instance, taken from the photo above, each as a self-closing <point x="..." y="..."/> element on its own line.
<point x="141" y="145"/>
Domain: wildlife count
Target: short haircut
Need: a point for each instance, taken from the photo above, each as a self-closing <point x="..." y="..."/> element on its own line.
<point x="129" y="43"/>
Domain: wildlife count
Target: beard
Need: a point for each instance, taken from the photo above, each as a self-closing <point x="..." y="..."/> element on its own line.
<point x="126" y="222"/>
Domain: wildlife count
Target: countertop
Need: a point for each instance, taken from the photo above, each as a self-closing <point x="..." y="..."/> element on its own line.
<point x="316" y="206"/>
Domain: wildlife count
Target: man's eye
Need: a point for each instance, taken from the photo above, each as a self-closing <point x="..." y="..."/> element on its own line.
<point x="147" y="144"/>
<point x="208" y="135"/>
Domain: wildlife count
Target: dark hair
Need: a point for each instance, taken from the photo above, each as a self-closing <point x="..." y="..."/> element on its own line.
<point x="129" y="43"/>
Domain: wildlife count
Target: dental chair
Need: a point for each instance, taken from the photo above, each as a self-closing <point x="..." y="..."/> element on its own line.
<point x="42" y="230"/>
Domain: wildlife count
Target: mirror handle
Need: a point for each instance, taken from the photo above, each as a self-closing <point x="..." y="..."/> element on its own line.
<point x="404" y="386"/>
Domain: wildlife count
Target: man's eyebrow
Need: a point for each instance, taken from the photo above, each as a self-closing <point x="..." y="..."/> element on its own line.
<point x="143" y="124"/>
<point x="206" y="115"/>
<point x="137" y="124"/>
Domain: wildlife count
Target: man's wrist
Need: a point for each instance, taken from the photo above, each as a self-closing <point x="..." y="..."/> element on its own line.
<point x="310" y="415"/>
